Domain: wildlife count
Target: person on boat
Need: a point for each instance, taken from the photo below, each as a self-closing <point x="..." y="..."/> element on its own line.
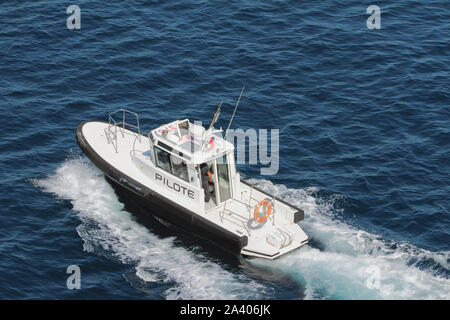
<point x="206" y="181"/>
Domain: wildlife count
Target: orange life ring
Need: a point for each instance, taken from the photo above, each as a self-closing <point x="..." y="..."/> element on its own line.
<point x="266" y="202"/>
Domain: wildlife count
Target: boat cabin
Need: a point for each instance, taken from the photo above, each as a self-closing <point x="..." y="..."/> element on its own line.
<point x="191" y="157"/>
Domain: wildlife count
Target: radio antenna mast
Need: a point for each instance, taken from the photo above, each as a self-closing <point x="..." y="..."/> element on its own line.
<point x="216" y="116"/>
<point x="235" y="108"/>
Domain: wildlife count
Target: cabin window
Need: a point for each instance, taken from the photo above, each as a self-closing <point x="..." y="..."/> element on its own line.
<point x="179" y="168"/>
<point x="224" y="178"/>
<point x="162" y="159"/>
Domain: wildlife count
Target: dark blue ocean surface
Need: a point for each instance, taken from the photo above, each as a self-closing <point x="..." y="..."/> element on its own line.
<point x="364" y="119"/>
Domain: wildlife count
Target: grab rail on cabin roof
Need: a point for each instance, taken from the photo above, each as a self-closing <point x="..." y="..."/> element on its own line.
<point x="112" y="123"/>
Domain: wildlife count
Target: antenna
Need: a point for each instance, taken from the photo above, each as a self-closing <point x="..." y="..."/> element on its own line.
<point x="216" y="116"/>
<point x="235" y="108"/>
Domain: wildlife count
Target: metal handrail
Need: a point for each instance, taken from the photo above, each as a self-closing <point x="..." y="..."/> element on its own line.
<point x="124" y="122"/>
<point x="249" y="210"/>
<point x="249" y="206"/>
<point x="134" y="143"/>
<point x="223" y="213"/>
<point x="245" y="204"/>
<point x="112" y="123"/>
<point x="114" y="134"/>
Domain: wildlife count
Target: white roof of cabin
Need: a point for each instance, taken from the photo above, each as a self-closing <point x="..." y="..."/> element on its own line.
<point x="192" y="143"/>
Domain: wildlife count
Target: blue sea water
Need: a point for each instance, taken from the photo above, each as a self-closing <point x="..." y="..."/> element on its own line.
<point x="364" y="119"/>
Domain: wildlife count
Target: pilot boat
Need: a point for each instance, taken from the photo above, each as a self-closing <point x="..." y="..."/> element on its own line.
<point x="186" y="174"/>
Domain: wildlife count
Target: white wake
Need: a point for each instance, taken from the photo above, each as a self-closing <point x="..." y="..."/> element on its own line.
<point x="353" y="264"/>
<point x="107" y="225"/>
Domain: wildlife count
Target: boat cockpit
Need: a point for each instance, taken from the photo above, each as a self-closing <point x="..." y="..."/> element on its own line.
<point x="199" y="157"/>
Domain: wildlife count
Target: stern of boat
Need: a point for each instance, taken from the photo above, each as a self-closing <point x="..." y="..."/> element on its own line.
<point x="271" y="224"/>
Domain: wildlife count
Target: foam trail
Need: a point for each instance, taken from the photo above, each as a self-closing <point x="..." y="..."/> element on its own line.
<point x="346" y="269"/>
<point x="355" y="264"/>
<point x="106" y="227"/>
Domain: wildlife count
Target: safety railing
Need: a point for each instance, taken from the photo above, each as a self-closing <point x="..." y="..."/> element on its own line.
<point x="242" y="223"/>
<point x="239" y="219"/>
<point x="249" y="206"/>
<point x="133" y="151"/>
<point x="114" y="126"/>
